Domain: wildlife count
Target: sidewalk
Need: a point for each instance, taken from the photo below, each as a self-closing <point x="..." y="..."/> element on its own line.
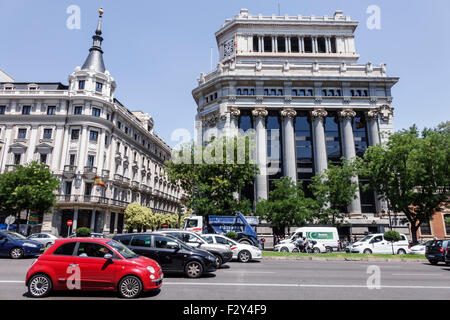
<point x="270" y="255"/>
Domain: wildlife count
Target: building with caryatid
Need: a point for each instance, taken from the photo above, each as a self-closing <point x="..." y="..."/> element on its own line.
<point x="81" y="131"/>
<point x="296" y="81"/>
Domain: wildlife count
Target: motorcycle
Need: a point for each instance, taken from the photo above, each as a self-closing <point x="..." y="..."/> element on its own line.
<point x="308" y="247"/>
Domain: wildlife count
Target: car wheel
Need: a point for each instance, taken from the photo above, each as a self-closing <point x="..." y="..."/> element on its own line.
<point x="48" y="245"/>
<point x="433" y="262"/>
<point x="367" y="251"/>
<point x="218" y="261"/>
<point x="130" y="287"/>
<point x="316" y="250"/>
<point x="329" y="249"/>
<point x="244" y="256"/>
<point x="401" y="251"/>
<point x="39" y="286"/>
<point x="284" y="249"/>
<point x="16" y="253"/>
<point x="245" y="241"/>
<point x="193" y="269"/>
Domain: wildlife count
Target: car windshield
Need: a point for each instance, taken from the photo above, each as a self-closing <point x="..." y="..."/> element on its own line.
<point x="16" y="236"/>
<point x="123" y="250"/>
<point x="366" y="238"/>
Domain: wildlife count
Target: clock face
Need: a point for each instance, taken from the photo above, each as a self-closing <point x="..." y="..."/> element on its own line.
<point x="229" y="48"/>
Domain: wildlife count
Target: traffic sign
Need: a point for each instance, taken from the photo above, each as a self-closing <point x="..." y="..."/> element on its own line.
<point x="10" y="220"/>
<point x="69" y="223"/>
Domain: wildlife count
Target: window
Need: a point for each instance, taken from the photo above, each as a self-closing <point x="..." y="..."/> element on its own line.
<point x="22" y="134"/>
<point x="308" y="45"/>
<point x="26" y="110"/>
<point x="377" y="239"/>
<point x="68" y="188"/>
<point x="88" y="189"/>
<point x="224" y="241"/>
<point x="43" y="158"/>
<point x="255" y="44"/>
<point x="142" y="241"/>
<point x="17" y="158"/>
<point x="72" y="158"/>
<point x="447" y="224"/>
<point x="321" y="45"/>
<point x="66" y="249"/>
<point x="126" y="130"/>
<point x="93" y="136"/>
<point x="90" y="161"/>
<point x="268" y="44"/>
<point x="81" y="84"/>
<point x="125" y="239"/>
<point x="75" y="135"/>
<point x="425" y="229"/>
<point x="165" y="243"/>
<point x="2" y="109"/>
<point x="295" y="45"/>
<point x="51" y="110"/>
<point x="78" y="110"/>
<point x="98" y="86"/>
<point x="48" y="133"/>
<point x="92" y="250"/>
<point x="333" y="45"/>
<point x="281" y="43"/>
<point x="96" y="112"/>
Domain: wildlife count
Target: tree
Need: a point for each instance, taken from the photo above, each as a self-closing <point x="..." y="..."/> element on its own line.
<point x="286" y="206"/>
<point x="28" y="188"/>
<point x="212" y="176"/>
<point x="334" y="190"/>
<point x="392" y="236"/>
<point x="411" y="172"/>
<point x="83" y="232"/>
<point x="137" y="216"/>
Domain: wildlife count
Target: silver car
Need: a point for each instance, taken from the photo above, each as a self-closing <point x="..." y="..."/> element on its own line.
<point x="46" y="239"/>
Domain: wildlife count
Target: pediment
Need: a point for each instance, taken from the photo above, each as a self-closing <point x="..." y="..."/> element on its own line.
<point x="18" y="148"/>
<point x="43" y="147"/>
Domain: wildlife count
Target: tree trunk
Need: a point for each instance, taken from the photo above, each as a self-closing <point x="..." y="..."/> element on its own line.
<point x="414" y="230"/>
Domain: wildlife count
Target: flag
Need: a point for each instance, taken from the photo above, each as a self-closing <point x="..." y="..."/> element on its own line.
<point x="99" y="182"/>
<point x="360" y="125"/>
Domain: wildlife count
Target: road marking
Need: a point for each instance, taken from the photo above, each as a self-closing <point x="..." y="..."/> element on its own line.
<point x="298" y="285"/>
<point x="247" y="272"/>
<point x="8" y="281"/>
<point x="417" y="274"/>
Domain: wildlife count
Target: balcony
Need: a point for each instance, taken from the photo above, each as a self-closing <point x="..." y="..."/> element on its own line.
<point x="126" y="181"/>
<point x="105" y="174"/>
<point x="135" y="184"/>
<point x="69" y="171"/>
<point x="118" y="178"/>
<point x="94" y="200"/>
<point x="90" y="172"/>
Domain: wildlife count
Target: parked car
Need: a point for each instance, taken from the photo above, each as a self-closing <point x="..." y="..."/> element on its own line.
<point x="241" y="251"/>
<point x="447" y="256"/>
<point x="173" y="255"/>
<point x="222" y="252"/>
<point x="16" y="246"/>
<point x="327" y="235"/>
<point x="93" y="235"/>
<point x="104" y="264"/>
<point x="436" y="251"/>
<point x="419" y="249"/>
<point x="46" y="239"/>
<point x="291" y="246"/>
<point x="375" y="243"/>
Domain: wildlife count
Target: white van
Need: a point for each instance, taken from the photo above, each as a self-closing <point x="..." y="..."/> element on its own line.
<point x="375" y="243"/>
<point x="326" y="235"/>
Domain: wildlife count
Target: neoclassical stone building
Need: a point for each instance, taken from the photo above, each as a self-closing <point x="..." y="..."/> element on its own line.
<point x="297" y="83"/>
<point x="81" y="131"/>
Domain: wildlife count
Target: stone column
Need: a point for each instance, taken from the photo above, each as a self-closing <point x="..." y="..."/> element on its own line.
<point x="374" y="139"/>
<point x="8" y="140"/>
<point x="260" y="115"/>
<point x="101" y="154"/>
<point x="75" y="219"/>
<point x="319" y="143"/>
<point x="65" y="148"/>
<point x="290" y="165"/>
<point x="32" y="143"/>
<point x="82" y="150"/>
<point x="58" y="148"/>
<point x="349" y="152"/>
<point x="234" y="121"/>
<point x="93" y="217"/>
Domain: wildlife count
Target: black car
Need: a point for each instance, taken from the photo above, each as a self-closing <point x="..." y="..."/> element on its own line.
<point x="437" y="250"/>
<point x="447" y="257"/>
<point x="173" y="255"/>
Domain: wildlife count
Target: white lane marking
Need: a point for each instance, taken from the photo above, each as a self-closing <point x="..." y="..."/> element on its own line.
<point x="299" y="285"/>
<point x="8" y="281"/>
<point x="247" y="272"/>
<point x="418" y="274"/>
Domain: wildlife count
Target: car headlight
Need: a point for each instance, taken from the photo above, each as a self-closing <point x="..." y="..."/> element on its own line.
<point x="151" y="269"/>
<point x="31" y="245"/>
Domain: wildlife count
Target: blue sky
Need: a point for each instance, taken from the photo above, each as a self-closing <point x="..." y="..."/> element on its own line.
<point x="156" y="49"/>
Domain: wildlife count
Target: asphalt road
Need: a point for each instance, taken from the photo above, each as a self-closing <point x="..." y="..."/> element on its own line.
<point x="274" y="280"/>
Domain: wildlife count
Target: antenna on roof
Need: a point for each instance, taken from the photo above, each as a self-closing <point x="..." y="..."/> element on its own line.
<point x="279" y="8"/>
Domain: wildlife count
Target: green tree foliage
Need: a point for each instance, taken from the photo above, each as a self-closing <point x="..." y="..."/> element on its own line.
<point x="286" y="206"/>
<point x="334" y="190"/>
<point x="212" y="175"/>
<point x="232" y="235"/>
<point x="411" y="172"/>
<point x="392" y="236"/>
<point x="140" y="217"/>
<point x="83" y="232"/>
<point x="28" y="188"/>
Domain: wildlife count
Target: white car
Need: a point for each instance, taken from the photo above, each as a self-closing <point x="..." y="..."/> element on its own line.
<point x="242" y="252"/>
<point x="375" y="243"/>
<point x="319" y="247"/>
<point x="420" y="248"/>
<point x="44" y="238"/>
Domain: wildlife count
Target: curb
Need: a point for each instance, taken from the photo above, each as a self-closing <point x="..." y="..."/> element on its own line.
<point x="347" y="259"/>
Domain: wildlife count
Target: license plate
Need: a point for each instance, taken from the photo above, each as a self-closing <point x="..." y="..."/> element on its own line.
<point x="431" y="255"/>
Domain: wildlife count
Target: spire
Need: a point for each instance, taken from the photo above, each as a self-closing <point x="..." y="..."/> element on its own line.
<point x="95" y="59"/>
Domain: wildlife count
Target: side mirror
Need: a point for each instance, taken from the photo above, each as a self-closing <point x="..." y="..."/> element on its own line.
<point x="108" y="256"/>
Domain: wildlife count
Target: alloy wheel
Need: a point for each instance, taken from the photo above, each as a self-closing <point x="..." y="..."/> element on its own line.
<point x="194" y="270"/>
<point x="39" y="286"/>
<point x="130" y="287"/>
<point x="16" y="253"/>
<point x="244" y="256"/>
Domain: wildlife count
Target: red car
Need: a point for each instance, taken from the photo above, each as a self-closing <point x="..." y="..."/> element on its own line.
<point x="92" y="264"/>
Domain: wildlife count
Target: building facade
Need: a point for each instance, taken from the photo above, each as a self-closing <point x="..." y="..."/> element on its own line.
<point x="81" y="131"/>
<point x="296" y="82"/>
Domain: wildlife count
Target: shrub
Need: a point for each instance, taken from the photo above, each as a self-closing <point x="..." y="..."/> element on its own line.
<point x="83" y="232"/>
<point x="232" y="235"/>
<point x="392" y="236"/>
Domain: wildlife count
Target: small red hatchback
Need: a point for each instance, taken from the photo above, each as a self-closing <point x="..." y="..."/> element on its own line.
<point x="92" y="264"/>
